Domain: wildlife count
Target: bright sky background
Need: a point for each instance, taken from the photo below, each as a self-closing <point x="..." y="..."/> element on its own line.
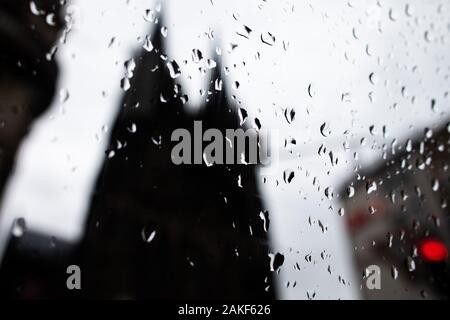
<point x="327" y="45"/>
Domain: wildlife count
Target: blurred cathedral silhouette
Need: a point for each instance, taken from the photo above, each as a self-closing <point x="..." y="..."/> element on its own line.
<point x="158" y="230"/>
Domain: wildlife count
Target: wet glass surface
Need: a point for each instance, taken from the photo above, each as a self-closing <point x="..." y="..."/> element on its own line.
<point x="224" y="149"/>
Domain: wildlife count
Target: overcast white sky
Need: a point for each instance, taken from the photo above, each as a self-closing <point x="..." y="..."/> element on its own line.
<point x="332" y="46"/>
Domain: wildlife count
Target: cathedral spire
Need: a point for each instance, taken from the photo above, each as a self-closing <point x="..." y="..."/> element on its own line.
<point x="219" y="112"/>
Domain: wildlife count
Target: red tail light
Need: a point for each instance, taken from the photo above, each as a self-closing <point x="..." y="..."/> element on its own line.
<point x="432" y="250"/>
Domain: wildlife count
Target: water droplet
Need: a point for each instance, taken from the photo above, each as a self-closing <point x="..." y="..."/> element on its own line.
<point x="211" y="64"/>
<point x="369" y="50"/>
<point x="288" y="175"/>
<point x="35" y="10"/>
<point x="289" y="114"/>
<point x="371" y="186"/>
<point x="218" y="84"/>
<point x="355" y="33"/>
<point x="435" y="185"/>
<point x="111" y="42"/>
<point x="242" y="116"/>
<point x="245" y="33"/>
<point x="164" y="31"/>
<point x="149" y="15"/>
<point x="322" y="227"/>
<point x="324" y="129"/>
<point x="394" y="272"/>
<point x="409" y="10"/>
<point x="18" y="227"/>
<point x="276" y="261"/>
<point x="129" y="65"/>
<point x="408" y="146"/>
<point x="390" y="237"/>
<point x="433" y="104"/>
<point x="197" y="55"/>
<point x="191" y="263"/>
<point x="308" y="257"/>
<point x="423" y="294"/>
<point x="209" y="162"/>
<point x="393" y="15"/>
<point x="174" y="69"/>
<point x="239" y="181"/>
<point x="264" y="215"/>
<point x="50" y="19"/>
<point x="63" y="95"/>
<point x="429" y="36"/>
<point x="268" y="38"/>
<point x="310" y="294"/>
<point x="125" y="84"/>
<point x="420" y="164"/>
<point x="148" y="235"/>
<point x="232" y="47"/>
<point x="311" y="90"/>
<point x="148" y="45"/>
<point x="410" y="264"/>
<point x="373" y="78"/>
<point x="329" y="193"/>
<point x="132" y="128"/>
<point x="184" y="98"/>
<point x="157" y="141"/>
<point x="350" y="191"/>
<point x="392" y="197"/>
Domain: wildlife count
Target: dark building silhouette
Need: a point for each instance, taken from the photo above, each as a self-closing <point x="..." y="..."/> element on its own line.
<point x="159" y="230"/>
<point x="27" y="77"/>
<point x="32" y="265"/>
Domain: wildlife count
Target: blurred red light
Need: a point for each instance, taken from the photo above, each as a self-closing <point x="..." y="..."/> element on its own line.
<point x="433" y="250"/>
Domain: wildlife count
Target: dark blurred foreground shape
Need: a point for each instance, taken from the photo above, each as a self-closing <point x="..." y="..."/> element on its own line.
<point x="32" y="266"/>
<point x="27" y="77"/>
<point x="402" y="225"/>
<point x="158" y="230"/>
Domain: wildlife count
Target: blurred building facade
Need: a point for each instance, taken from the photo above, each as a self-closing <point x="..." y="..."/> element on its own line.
<point x="398" y="218"/>
<point x="28" y="75"/>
